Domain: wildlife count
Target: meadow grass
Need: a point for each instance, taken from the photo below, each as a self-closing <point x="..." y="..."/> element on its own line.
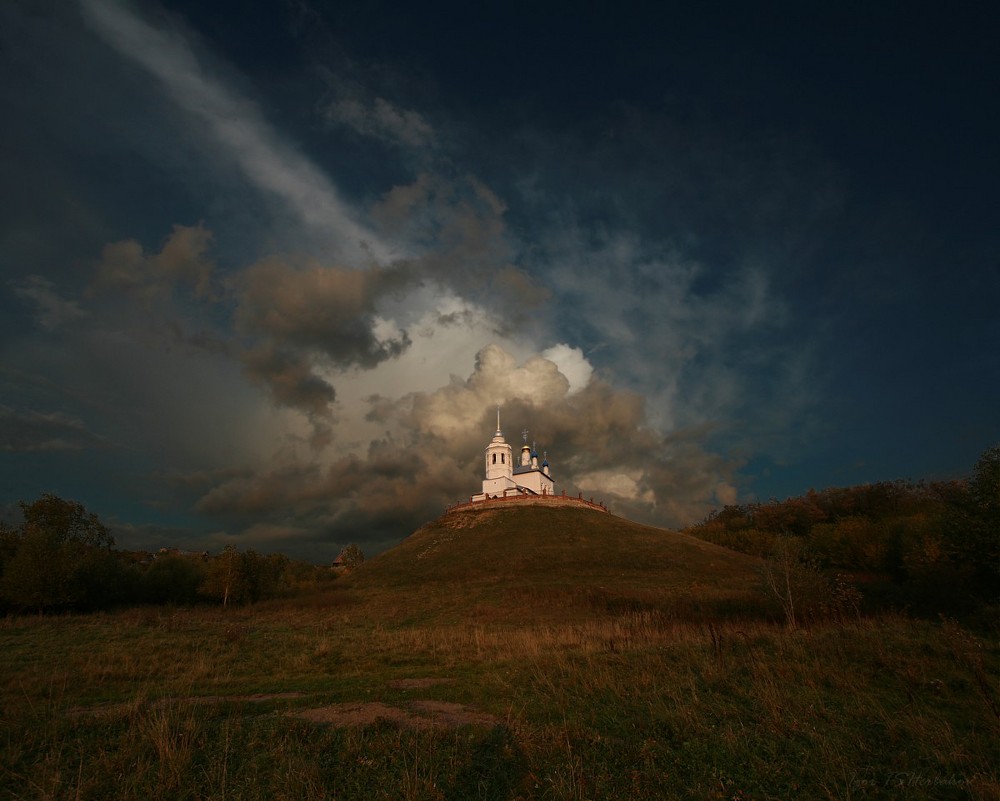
<point x="486" y="658"/>
<point x="200" y="704"/>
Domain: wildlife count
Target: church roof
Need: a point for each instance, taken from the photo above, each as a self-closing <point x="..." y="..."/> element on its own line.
<point x="526" y="469"/>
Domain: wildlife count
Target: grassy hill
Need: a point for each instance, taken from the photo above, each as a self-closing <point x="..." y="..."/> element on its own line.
<point x="505" y="654"/>
<point x="545" y="564"/>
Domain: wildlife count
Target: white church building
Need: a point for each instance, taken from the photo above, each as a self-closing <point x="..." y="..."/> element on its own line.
<point x="505" y="478"/>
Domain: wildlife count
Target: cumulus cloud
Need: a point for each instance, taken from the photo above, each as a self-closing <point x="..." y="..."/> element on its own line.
<point x="428" y="456"/>
<point x="291" y="379"/>
<point x="300" y="320"/>
<point x="571" y="363"/>
<point x="288" y="322"/>
<point x="182" y="262"/>
<point x="329" y="309"/>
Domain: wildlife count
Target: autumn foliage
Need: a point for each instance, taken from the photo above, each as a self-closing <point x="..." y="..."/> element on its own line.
<point x="926" y="546"/>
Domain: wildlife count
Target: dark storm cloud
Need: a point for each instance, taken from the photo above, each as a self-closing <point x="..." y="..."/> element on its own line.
<point x="457" y="234"/>
<point x="366" y="500"/>
<point x="26" y="431"/>
<point x="285" y="322"/>
<point x="323" y="308"/>
<point x="290" y="378"/>
<point x="303" y="319"/>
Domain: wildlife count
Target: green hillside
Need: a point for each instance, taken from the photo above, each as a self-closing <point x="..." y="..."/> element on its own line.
<point x="539" y="563"/>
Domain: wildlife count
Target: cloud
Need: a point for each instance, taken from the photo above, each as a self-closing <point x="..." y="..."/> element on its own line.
<point x="288" y="322"/>
<point x="53" y="311"/>
<point x="323" y="308"/>
<point x="428" y="456"/>
<point x="303" y="320"/>
<point x="380" y="119"/>
<point x="30" y="431"/>
<point x="237" y="128"/>
<point x="181" y="263"/>
<point x="290" y="378"/>
<point x="571" y="363"/>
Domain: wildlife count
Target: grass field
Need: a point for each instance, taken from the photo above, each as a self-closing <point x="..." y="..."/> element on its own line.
<point x="510" y="664"/>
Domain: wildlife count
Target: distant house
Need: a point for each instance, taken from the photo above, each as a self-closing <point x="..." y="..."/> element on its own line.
<point x="348" y="559"/>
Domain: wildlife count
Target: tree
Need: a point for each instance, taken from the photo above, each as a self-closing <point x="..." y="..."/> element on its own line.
<point x="59" y="542"/>
<point x="173" y="579"/>
<point x="10" y="541"/>
<point x="975" y="530"/>
<point x="234" y="577"/>
<point x="222" y="576"/>
<point x="68" y="521"/>
<point x="792" y="578"/>
<point x="260" y="576"/>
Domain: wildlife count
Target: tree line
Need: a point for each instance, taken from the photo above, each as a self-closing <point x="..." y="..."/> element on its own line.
<point x="931" y="547"/>
<point x="63" y="558"/>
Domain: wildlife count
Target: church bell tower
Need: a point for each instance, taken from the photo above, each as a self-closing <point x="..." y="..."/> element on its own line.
<point x="499" y="456"/>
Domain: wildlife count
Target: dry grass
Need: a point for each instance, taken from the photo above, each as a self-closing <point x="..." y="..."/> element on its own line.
<point x="614" y="708"/>
<point x="623" y="694"/>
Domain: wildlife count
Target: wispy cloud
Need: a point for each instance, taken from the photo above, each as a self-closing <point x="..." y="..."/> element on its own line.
<point x="25" y="431"/>
<point x="238" y="127"/>
<point x="53" y="310"/>
<point x="380" y="119"/>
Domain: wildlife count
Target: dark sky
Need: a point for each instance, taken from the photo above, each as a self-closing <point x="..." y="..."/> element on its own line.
<point x="269" y="268"/>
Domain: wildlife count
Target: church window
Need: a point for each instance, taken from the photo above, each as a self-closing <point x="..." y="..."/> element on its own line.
<point x="501" y="458"/>
<point x="494" y="458"/>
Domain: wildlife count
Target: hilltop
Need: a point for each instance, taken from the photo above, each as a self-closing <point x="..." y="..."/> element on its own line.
<point x="540" y="564"/>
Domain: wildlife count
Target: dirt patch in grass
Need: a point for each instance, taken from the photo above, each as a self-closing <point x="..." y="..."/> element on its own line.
<point x="417" y="715"/>
<point x="450" y="715"/>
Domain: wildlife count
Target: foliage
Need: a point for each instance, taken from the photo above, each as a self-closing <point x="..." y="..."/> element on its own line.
<point x="172" y="579"/>
<point x="248" y="577"/>
<point x="937" y="544"/>
<point x="67" y="521"/>
<point x="60" y="557"/>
